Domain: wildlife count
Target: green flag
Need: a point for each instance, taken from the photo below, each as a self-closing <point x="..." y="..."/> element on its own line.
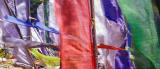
<point x="139" y="15"/>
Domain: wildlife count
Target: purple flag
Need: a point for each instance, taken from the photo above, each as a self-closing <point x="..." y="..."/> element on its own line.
<point x="111" y="30"/>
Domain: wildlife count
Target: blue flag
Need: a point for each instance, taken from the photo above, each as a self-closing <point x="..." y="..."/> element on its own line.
<point x="38" y="25"/>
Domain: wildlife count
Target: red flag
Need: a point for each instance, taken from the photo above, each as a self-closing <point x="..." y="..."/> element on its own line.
<point x="74" y="19"/>
<point x="109" y="47"/>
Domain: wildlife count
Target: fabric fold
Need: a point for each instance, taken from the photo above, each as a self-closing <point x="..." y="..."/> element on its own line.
<point x="74" y="20"/>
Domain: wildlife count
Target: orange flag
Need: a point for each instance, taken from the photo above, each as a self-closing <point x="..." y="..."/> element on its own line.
<point x="74" y="20"/>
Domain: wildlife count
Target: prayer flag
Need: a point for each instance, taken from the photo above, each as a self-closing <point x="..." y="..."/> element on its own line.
<point x="74" y="20"/>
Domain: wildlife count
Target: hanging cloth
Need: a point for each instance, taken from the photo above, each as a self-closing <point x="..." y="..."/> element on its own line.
<point x="139" y="15"/>
<point x="111" y="30"/>
<point x="38" y="25"/>
<point x="74" y="20"/>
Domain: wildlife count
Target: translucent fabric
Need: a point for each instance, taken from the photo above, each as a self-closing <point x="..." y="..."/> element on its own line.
<point x="74" y="20"/>
<point x="11" y="37"/>
<point x="10" y="31"/>
<point x="139" y="15"/>
<point x="111" y="30"/>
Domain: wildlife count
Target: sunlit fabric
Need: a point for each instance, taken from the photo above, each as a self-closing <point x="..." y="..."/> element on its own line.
<point x="44" y="53"/>
<point x="111" y="30"/>
<point x="79" y="34"/>
<point x="74" y="20"/>
<point x="53" y="22"/>
<point x="38" y="25"/>
<point x="21" y="45"/>
<point x="9" y="30"/>
<point x="139" y="15"/>
<point x="11" y="38"/>
<point x="12" y="19"/>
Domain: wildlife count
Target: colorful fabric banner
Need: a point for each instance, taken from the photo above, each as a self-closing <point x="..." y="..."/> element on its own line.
<point x="156" y="10"/>
<point x="38" y="25"/>
<point x="111" y="30"/>
<point x="139" y="15"/>
<point x="74" y="19"/>
<point x="11" y="31"/>
<point x="11" y="37"/>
